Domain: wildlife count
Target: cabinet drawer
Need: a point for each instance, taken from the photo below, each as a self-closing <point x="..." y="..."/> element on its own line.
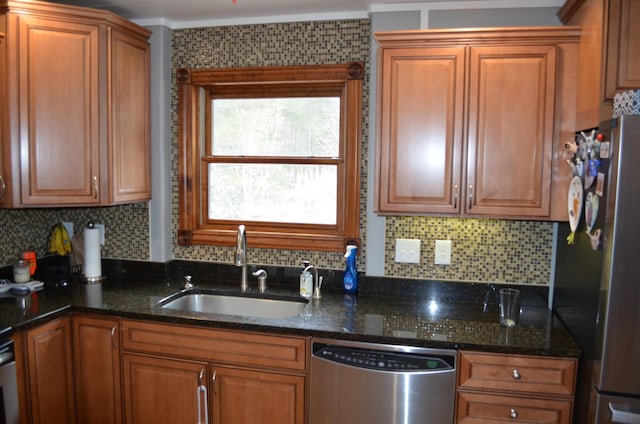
<point x="549" y="376"/>
<point x="476" y="408"/>
<point x="221" y="346"/>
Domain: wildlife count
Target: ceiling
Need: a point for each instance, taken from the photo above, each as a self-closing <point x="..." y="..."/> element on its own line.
<point x="177" y="13"/>
<point x="202" y="10"/>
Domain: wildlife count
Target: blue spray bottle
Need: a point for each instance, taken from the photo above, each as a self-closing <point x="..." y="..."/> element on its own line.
<point x="350" y="278"/>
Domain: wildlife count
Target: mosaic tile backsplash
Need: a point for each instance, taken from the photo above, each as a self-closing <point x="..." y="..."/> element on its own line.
<point x="483" y="249"/>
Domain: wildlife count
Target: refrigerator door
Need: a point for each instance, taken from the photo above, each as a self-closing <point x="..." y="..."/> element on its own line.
<point x="617" y="410"/>
<point x="619" y="313"/>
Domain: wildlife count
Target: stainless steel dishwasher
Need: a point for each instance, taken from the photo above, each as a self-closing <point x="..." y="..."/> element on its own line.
<point x="367" y="383"/>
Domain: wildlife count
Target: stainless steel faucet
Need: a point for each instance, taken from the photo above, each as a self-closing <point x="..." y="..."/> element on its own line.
<point x="241" y="257"/>
<point x="317" y="282"/>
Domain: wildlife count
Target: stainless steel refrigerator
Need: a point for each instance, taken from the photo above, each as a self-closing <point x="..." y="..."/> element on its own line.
<point x="597" y="281"/>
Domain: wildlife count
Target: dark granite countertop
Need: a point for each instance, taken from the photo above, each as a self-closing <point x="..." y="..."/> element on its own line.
<point x="443" y="315"/>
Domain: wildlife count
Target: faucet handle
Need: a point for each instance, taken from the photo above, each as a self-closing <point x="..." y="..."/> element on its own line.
<point x="187" y="282"/>
<point x="262" y="279"/>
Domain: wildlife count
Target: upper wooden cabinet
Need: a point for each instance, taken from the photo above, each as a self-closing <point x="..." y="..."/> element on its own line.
<point x="75" y="129"/>
<point x="468" y="121"/>
<point x="609" y="58"/>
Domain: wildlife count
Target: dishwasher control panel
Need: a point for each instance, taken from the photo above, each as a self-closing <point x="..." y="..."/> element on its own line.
<point x="381" y="360"/>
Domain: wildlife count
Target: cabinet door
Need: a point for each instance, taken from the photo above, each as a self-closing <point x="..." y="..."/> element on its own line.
<point x="163" y="391"/>
<point x="257" y="397"/>
<point x="50" y="377"/>
<point x="97" y="370"/>
<point x="511" y="130"/>
<point x="59" y="137"/>
<point x="420" y="111"/>
<point x="623" y="47"/>
<point x="130" y="152"/>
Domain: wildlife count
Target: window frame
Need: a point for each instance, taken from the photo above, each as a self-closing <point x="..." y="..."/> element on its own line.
<point x="195" y="88"/>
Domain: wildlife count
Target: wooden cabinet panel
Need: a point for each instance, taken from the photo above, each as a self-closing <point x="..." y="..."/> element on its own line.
<point x="130" y="133"/>
<point x="421" y="135"/>
<point x="476" y="408"/>
<point x="221" y="346"/>
<point x="470" y="121"/>
<point x="609" y="59"/>
<point x="623" y="47"/>
<point x="75" y="124"/>
<point x="517" y="373"/>
<point x="162" y="391"/>
<point x="511" y="130"/>
<point x="49" y="373"/>
<point x="528" y="389"/>
<point x="59" y="138"/>
<point x="265" y="398"/>
<point x="97" y="370"/>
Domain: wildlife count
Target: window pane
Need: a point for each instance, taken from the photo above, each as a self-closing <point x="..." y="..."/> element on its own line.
<point x="302" y="194"/>
<point x="295" y="126"/>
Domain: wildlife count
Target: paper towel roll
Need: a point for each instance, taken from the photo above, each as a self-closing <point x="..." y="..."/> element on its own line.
<point x="92" y="264"/>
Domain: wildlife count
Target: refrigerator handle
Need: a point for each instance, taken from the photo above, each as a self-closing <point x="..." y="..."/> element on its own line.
<point x="621" y="416"/>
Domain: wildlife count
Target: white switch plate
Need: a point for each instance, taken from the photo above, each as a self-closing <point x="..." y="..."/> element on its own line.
<point x="69" y="227"/>
<point x="408" y="251"/>
<point x="443" y="252"/>
<point x="101" y="228"/>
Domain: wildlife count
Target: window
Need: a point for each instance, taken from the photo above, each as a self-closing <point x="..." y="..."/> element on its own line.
<point x="276" y="149"/>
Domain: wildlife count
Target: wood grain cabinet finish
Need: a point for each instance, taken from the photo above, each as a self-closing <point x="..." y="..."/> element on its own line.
<point x="163" y="390"/>
<point x="96" y="350"/>
<point x="46" y="373"/>
<point x="609" y="59"/>
<point x="76" y="123"/>
<point x="240" y="378"/>
<point x="468" y="121"/>
<point x="523" y="389"/>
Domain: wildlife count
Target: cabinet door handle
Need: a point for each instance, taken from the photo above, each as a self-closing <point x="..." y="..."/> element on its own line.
<point x="513" y="413"/>
<point x="470" y="195"/>
<point x="202" y="400"/>
<point x="3" y="187"/>
<point x="113" y="333"/>
<point x="455" y="196"/>
<point x="516" y="374"/>
<point x="95" y="187"/>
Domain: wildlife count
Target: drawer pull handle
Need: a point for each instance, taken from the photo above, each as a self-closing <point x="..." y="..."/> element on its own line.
<point x="513" y="413"/>
<point x="516" y="375"/>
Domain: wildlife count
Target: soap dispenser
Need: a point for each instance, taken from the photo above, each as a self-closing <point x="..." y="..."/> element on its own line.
<point x="350" y="278"/>
<point x="306" y="281"/>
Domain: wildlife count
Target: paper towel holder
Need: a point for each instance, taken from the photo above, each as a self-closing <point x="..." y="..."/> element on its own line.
<point x="93" y="279"/>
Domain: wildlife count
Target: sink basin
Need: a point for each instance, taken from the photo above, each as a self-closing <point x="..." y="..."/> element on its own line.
<point x="233" y="305"/>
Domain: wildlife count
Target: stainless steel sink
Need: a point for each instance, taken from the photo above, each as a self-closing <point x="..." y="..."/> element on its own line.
<point x="233" y="305"/>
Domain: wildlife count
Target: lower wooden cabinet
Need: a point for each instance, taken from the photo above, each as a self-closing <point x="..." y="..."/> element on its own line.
<point x="163" y="390"/>
<point x="523" y="389"/>
<point x="96" y="350"/>
<point x="46" y="374"/>
<point x="181" y="374"/>
<point x="480" y="408"/>
<point x="257" y="397"/>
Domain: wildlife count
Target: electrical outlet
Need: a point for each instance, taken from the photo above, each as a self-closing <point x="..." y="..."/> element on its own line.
<point x="101" y="228"/>
<point x="408" y="251"/>
<point x="443" y="252"/>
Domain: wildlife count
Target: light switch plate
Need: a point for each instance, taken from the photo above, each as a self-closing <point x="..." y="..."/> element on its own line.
<point x="69" y="227"/>
<point x="443" y="252"/>
<point x="408" y="251"/>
